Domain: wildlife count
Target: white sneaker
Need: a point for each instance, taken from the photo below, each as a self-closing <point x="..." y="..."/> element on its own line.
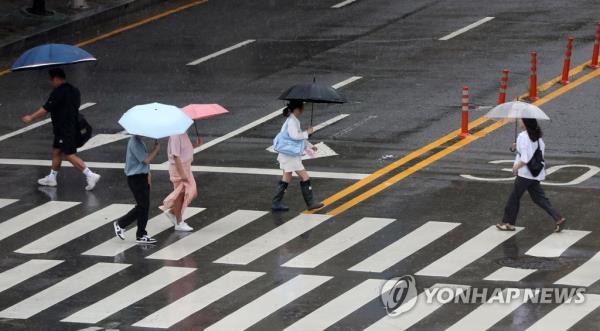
<point x="145" y="240"/>
<point x="170" y="216"/>
<point x="183" y="226"/>
<point x="119" y="231"/>
<point x="47" y="181"/>
<point x="92" y="180"/>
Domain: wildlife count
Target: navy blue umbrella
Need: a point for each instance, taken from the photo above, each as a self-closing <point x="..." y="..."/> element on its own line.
<point x="51" y="55"/>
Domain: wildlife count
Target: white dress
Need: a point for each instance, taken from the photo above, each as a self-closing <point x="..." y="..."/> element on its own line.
<point x="289" y="163"/>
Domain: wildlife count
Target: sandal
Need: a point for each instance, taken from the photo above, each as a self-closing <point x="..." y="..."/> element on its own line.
<point x="560" y="225"/>
<point x="505" y="227"/>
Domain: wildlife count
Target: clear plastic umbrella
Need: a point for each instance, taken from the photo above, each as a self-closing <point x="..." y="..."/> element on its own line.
<point x="155" y="120"/>
<point x="515" y="110"/>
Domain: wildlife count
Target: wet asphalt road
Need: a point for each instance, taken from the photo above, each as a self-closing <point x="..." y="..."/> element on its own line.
<point x="408" y="96"/>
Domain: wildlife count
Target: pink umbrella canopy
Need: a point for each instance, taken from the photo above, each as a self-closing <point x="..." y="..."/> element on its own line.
<point x="202" y="111"/>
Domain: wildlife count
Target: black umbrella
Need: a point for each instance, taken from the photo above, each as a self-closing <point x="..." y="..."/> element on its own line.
<point x="314" y="93"/>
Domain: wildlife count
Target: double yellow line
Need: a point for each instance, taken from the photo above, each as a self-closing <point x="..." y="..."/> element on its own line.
<point x="444" y="152"/>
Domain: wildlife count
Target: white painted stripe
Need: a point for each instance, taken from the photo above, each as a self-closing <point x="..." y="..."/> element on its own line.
<point x="467" y="28"/>
<point x="103" y="139"/>
<point x="75" y="229"/>
<point x="208" y="169"/>
<point x="273" y="239"/>
<point x="585" y="275"/>
<point x="338" y="243"/>
<point x="156" y="225"/>
<point x="404" y="247"/>
<point x="268" y="303"/>
<point x="508" y="274"/>
<point x="345" y="82"/>
<point x="23" y="272"/>
<point x="340" y="307"/>
<point x="207" y="235"/>
<point x="38" y="124"/>
<point x="6" y="202"/>
<point x="343" y="4"/>
<point x="422" y="309"/>
<point x="33" y="216"/>
<point x="129" y="295"/>
<point x="468" y="252"/>
<point x="221" y="52"/>
<point x="567" y="315"/>
<point x="197" y="300"/>
<point x="556" y="243"/>
<point x="330" y="122"/>
<point x="488" y="314"/>
<point x="62" y="290"/>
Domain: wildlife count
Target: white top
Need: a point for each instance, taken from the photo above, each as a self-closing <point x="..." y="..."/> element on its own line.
<point x="525" y="150"/>
<point x="291" y="163"/>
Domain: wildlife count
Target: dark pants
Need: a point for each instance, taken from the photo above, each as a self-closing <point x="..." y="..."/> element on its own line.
<point x="537" y="195"/>
<point x="138" y="184"/>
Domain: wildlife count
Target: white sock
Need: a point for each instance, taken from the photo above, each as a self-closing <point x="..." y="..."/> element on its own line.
<point x="53" y="173"/>
<point x="87" y="172"/>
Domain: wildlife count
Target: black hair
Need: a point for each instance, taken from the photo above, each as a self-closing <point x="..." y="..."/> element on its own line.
<point x="293" y="104"/>
<point x="57" y="73"/>
<point x="533" y="129"/>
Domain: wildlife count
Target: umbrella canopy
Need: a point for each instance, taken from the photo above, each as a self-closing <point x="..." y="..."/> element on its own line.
<point x="515" y="110"/>
<point x="51" y="55"/>
<point x="313" y="92"/>
<point x="155" y="120"/>
<point x="202" y="111"/>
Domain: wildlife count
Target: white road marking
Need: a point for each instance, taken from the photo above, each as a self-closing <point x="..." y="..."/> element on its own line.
<point x="156" y="225"/>
<point x="343" y="4"/>
<point x="422" y="309"/>
<point x="404" y="247"/>
<point x="6" y="202"/>
<point x="322" y="151"/>
<point x="33" y="216"/>
<point x="338" y="243"/>
<point x="221" y="52"/>
<point x="567" y="315"/>
<point x="103" y="139"/>
<point x="508" y="274"/>
<point x="62" y="290"/>
<point x="268" y="303"/>
<point x="23" y="272"/>
<point x="556" y="243"/>
<point x="488" y="314"/>
<point x="207" y="235"/>
<point x="468" y="252"/>
<point x="197" y="300"/>
<point x="467" y="28"/>
<point x="585" y="275"/>
<point x="208" y="169"/>
<point x="330" y="122"/>
<point x="273" y="239"/>
<point x="75" y="229"/>
<point x="340" y="307"/>
<point x="129" y="295"/>
<point x="38" y="124"/>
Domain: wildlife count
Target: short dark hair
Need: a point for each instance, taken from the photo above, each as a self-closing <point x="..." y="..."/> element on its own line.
<point x="57" y="73"/>
<point x="291" y="106"/>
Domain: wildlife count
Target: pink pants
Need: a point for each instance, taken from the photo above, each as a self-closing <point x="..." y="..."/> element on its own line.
<point x="188" y="189"/>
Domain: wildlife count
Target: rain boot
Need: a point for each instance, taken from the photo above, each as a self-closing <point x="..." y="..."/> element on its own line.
<point x="308" y="196"/>
<point x="277" y="205"/>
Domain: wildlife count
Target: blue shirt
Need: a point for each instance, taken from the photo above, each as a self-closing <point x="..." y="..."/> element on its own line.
<point x="136" y="154"/>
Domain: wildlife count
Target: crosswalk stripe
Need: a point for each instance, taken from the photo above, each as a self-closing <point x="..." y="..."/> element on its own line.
<point x="404" y="247"/>
<point x="268" y="303"/>
<point x="340" y="307"/>
<point x="468" y="252"/>
<point x="585" y="275"/>
<point x="338" y="243"/>
<point x="129" y="295"/>
<point x="6" y="202"/>
<point x="508" y="274"/>
<point x="23" y="272"/>
<point x="488" y="314"/>
<point x="156" y="225"/>
<point x="273" y="239"/>
<point x="422" y="309"/>
<point x="62" y="290"/>
<point x="566" y="315"/>
<point x="197" y="300"/>
<point x="75" y="229"/>
<point x="556" y="243"/>
<point x="207" y="235"/>
<point x="33" y="216"/>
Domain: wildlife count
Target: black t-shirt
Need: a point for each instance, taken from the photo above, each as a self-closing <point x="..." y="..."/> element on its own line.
<point x="63" y="106"/>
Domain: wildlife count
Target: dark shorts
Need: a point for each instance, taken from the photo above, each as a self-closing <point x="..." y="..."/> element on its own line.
<point x="66" y="145"/>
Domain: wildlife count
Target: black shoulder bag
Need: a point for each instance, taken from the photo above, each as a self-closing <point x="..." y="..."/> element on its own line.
<point x="84" y="132"/>
<point x="537" y="162"/>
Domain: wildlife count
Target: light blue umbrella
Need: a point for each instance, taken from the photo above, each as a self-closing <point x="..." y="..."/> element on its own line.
<point x="155" y="120"/>
<point x="50" y="55"/>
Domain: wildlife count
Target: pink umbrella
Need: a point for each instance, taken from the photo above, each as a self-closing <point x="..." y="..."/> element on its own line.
<point x="202" y="111"/>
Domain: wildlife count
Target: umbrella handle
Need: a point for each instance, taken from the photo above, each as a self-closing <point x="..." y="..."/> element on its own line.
<point x="196" y="127"/>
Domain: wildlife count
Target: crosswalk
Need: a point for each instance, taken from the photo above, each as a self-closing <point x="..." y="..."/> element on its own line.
<point x="301" y="279"/>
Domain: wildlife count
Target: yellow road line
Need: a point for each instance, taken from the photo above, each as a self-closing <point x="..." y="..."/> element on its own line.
<point x="131" y="26"/>
<point x="437" y="156"/>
